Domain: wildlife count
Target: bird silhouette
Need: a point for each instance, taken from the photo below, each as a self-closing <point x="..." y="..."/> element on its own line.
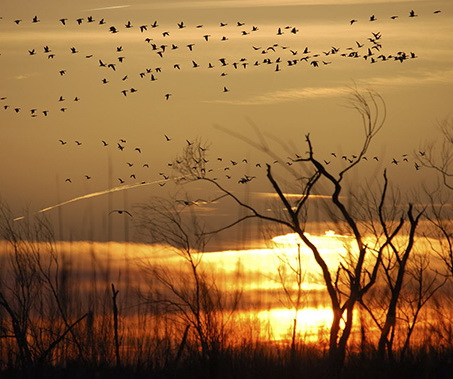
<point x="120" y="211"/>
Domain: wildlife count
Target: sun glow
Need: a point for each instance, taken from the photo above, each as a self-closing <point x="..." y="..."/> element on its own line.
<point x="312" y="323"/>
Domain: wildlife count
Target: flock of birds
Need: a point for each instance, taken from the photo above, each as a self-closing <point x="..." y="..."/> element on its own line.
<point x="218" y="168"/>
<point x="276" y="56"/>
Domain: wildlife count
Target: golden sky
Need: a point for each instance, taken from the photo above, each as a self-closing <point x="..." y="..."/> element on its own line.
<point x="282" y="100"/>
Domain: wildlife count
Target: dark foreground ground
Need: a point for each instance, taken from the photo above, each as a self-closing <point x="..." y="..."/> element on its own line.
<point x="423" y="366"/>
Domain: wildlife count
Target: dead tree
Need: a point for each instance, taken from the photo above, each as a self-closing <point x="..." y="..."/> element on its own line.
<point x="191" y="293"/>
<point x="116" y="326"/>
<point x="389" y="225"/>
<point x="352" y="279"/>
<point x="29" y="281"/>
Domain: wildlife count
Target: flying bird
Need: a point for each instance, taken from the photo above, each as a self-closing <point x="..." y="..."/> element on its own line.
<point x="120" y="211"/>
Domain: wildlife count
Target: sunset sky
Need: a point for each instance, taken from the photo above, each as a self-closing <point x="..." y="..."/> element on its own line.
<point x="276" y="91"/>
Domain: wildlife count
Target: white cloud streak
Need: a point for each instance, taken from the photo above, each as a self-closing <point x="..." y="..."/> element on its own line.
<point x="288" y="95"/>
<point x="262" y="3"/>
<point x="107" y="8"/>
<point x="295" y="94"/>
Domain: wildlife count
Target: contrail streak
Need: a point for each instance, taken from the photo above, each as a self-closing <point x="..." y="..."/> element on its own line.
<point x="110" y="190"/>
<point x="94" y="194"/>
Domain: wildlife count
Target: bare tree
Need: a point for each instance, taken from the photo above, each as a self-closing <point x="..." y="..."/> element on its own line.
<point x="422" y="285"/>
<point x="192" y="295"/>
<point x="291" y="276"/>
<point x="439" y="156"/>
<point x="352" y="279"/>
<point x="30" y="293"/>
<point x="387" y="224"/>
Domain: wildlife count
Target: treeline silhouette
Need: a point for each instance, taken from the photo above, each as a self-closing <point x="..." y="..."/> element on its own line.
<point x="62" y="315"/>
